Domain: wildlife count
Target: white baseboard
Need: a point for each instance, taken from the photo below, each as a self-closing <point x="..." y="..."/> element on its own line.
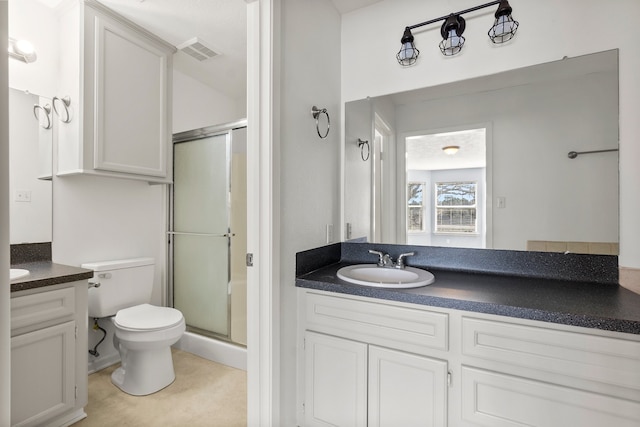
<point x="69" y="419"/>
<point x="98" y="364"/>
<point x="214" y="350"/>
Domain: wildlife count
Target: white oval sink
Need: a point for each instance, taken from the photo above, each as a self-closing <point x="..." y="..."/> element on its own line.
<point x="17" y="273"/>
<point x="397" y="278"/>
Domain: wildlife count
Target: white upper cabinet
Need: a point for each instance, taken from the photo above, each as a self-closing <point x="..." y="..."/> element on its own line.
<point x="117" y="77"/>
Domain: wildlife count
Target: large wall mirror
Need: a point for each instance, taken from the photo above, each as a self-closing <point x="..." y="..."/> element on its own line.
<point x="30" y="150"/>
<point x="531" y="161"/>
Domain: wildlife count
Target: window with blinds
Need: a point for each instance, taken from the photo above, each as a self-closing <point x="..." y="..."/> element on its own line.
<point x="456" y="207"/>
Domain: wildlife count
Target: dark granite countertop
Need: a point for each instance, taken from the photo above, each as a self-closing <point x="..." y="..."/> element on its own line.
<point x="591" y="305"/>
<point x="47" y="273"/>
<point x="573" y="289"/>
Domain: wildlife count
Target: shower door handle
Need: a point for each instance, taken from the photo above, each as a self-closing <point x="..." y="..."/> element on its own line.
<point x="179" y="233"/>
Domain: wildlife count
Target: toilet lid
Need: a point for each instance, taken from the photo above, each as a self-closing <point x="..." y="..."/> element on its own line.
<point x="147" y="317"/>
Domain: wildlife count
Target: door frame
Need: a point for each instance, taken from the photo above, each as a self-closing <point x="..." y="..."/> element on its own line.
<point x="263" y="201"/>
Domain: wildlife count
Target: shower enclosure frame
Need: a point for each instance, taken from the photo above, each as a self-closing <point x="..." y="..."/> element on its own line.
<point x="182" y="137"/>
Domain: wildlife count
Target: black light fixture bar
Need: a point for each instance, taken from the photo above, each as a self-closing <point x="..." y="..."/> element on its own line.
<point x="503" y="30"/>
<point x="442" y="18"/>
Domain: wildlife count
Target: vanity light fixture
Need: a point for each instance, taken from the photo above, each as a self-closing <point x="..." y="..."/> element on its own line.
<point x="408" y="54"/>
<point x="22" y="50"/>
<point x="451" y="149"/>
<point x="504" y="27"/>
<point x="503" y="30"/>
<point x="451" y="31"/>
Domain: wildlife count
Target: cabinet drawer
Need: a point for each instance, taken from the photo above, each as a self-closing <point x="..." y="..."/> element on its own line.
<point x="404" y="328"/>
<point x="590" y="357"/>
<point x="496" y="400"/>
<point x="42" y="307"/>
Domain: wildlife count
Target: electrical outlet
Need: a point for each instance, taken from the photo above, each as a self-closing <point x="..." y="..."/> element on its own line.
<point x="23" y="195"/>
<point x="329" y="233"/>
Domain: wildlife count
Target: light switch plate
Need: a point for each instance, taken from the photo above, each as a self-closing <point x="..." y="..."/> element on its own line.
<point x="329" y="233"/>
<point x="23" y="195"/>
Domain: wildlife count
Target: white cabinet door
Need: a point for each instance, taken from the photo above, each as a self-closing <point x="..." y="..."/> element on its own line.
<point x="336" y="381"/>
<point x="497" y="400"/>
<point x="118" y="79"/>
<point x="406" y="389"/>
<point x="131" y="83"/>
<point x="42" y="374"/>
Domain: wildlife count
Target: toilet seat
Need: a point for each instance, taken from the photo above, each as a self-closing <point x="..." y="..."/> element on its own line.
<point x="147" y="317"/>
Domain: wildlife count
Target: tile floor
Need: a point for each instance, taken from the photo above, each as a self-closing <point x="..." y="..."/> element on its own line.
<point x="204" y="394"/>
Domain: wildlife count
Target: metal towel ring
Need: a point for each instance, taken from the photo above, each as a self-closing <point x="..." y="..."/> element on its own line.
<point x="315" y="112"/>
<point x="362" y="144"/>
<point x="47" y="113"/>
<point x="66" y="102"/>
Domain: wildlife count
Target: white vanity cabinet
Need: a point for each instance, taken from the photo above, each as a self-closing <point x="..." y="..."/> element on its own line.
<point x="118" y="78"/>
<point x="49" y="355"/>
<point x="362" y="367"/>
<point x="516" y="374"/>
<point x="370" y="362"/>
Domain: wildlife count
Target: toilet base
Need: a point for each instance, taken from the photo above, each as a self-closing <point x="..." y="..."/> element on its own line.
<point x="144" y="372"/>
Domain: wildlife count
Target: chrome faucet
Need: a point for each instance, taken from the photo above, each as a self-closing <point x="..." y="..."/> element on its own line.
<point x="400" y="263"/>
<point x="385" y="260"/>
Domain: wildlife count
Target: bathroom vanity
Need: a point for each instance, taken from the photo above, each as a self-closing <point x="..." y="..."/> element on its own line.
<point x="49" y="344"/>
<point x="472" y="349"/>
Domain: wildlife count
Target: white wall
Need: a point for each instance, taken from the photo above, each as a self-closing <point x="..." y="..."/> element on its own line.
<point x="197" y="105"/>
<point x="98" y="219"/>
<point x="309" y="166"/>
<point x="542" y="37"/>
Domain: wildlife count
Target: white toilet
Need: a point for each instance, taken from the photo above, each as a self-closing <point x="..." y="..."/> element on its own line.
<point x="144" y="333"/>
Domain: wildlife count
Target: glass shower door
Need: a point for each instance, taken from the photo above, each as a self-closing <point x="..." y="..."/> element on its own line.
<point x="201" y="234"/>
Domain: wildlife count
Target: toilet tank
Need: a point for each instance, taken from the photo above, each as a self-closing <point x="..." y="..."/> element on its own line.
<point x="123" y="283"/>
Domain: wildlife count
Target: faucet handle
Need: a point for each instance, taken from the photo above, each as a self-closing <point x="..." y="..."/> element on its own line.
<point x="400" y="262"/>
<point x="380" y="255"/>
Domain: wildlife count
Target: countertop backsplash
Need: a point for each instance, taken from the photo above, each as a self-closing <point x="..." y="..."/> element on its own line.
<point x="544" y="265"/>
<point x="30" y="252"/>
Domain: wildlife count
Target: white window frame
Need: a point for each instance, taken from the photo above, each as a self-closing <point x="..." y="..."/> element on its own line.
<point x="419" y="207"/>
<point x="437" y="207"/>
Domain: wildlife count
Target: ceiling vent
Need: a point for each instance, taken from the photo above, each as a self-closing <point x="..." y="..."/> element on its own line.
<point x="196" y="48"/>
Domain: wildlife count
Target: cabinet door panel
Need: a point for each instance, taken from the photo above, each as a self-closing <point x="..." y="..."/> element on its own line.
<point x="336" y="381"/>
<point x="131" y="102"/>
<point x="42" y="374"/>
<point x="406" y="389"/>
<point x="496" y="400"/>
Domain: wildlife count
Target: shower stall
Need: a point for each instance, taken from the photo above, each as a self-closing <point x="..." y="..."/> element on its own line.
<point x="207" y="235"/>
